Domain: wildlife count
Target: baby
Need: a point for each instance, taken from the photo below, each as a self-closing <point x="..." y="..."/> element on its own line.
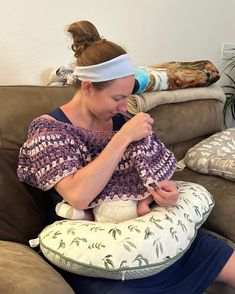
<point x="115" y="211"/>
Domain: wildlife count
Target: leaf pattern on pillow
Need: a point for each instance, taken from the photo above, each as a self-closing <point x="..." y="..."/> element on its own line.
<point x="130" y="249"/>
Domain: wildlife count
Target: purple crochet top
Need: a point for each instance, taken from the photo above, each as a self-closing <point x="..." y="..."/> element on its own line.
<point x="55" y="149"/>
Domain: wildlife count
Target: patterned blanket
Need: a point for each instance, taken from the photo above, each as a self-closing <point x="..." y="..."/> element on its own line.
<point x="175" y="75"/>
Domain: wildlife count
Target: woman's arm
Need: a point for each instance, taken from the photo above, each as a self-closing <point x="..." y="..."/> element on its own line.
<point x="80" y="188"/>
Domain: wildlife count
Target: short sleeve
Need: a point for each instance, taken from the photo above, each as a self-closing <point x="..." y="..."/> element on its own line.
<point x="49" y="154"/>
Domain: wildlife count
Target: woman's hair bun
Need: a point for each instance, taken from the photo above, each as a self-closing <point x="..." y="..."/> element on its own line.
<point x="89" y="48"/>
<point x="87" y="39"/>
<point x="83" y="34"/>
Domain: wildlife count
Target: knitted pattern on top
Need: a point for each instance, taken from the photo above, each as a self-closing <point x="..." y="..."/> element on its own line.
<point x="55" y="149"/>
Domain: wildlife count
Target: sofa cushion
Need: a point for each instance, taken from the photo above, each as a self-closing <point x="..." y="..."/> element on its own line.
<point x="130" y="249"/>
<point x="19" y="105"/>
<point x="177" y="122"/>
<point x="23" y="210"/>
<point x="214" y="155"/>
<point x="24" y="271"/>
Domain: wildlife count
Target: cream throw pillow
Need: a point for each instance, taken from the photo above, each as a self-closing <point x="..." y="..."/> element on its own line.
<point x="214" y="155"/>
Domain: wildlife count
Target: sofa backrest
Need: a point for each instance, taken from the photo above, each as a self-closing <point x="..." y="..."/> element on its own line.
<point x="182" y="125"/>
<point x="19" y="105"/>
<point x="178" y="125"/>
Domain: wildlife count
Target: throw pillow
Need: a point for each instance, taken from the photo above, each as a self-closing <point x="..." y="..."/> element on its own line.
<point x="130" y="249"/>
<point x="214" y="155"/>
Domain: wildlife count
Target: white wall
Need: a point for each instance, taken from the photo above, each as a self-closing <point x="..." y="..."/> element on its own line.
<point x="33" y="38"/>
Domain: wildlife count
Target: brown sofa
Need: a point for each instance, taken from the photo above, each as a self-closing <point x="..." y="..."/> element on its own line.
<point x="24" y="210"/>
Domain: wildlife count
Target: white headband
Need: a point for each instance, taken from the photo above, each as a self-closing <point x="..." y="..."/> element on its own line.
<point x="115" y="68"/>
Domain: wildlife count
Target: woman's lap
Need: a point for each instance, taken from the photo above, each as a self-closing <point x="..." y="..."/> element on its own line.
<point x="192" y="273"/>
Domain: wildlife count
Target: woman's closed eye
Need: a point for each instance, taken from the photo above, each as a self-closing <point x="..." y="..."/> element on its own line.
<point x="119" y="98"/>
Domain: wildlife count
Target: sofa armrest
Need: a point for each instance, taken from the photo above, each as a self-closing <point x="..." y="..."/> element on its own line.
<point x="24" y="271"/>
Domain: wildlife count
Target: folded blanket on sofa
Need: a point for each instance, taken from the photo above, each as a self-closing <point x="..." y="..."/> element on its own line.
<point x="148" y="100"/>
<point x="175" y="75"/>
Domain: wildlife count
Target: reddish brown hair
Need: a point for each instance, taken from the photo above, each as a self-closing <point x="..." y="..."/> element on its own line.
<point x="89" y="48"/>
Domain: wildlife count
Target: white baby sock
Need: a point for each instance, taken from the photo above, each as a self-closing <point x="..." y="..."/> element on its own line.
<point x="65" y="210"/>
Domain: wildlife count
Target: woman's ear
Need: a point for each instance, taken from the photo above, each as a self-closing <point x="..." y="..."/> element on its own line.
<point x="86" y="87"/>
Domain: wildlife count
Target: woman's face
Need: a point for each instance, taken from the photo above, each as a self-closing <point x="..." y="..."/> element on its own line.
<point x="111" y="100"/>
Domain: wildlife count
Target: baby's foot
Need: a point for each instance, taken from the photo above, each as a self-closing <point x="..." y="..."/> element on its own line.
<point x="65" y="210"/>
<point x="143" y="208"/>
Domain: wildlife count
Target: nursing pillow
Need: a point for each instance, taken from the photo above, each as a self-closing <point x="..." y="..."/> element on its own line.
<point x="131" y="249"/>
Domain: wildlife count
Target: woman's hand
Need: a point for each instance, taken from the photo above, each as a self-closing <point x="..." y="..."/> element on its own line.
<point x="166" y="194"/>
<point x="138" y="127"/>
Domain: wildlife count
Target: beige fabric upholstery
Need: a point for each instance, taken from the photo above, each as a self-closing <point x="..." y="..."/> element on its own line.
<point x="24" y="271"/>
<point x="20" y="104"/>
<point x="179" y="122"/>
<point x="222" y="218"/>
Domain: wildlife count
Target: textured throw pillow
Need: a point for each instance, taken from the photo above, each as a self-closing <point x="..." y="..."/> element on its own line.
<point x="131" y="249"/>
<point x="223" y="165"/>
<point x="214" y="155"/>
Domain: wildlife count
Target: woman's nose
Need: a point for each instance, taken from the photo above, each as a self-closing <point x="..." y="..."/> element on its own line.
<point x="122" y="107"/>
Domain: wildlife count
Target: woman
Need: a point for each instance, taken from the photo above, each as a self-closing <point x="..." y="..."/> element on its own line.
<point x="76" y="152"/>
